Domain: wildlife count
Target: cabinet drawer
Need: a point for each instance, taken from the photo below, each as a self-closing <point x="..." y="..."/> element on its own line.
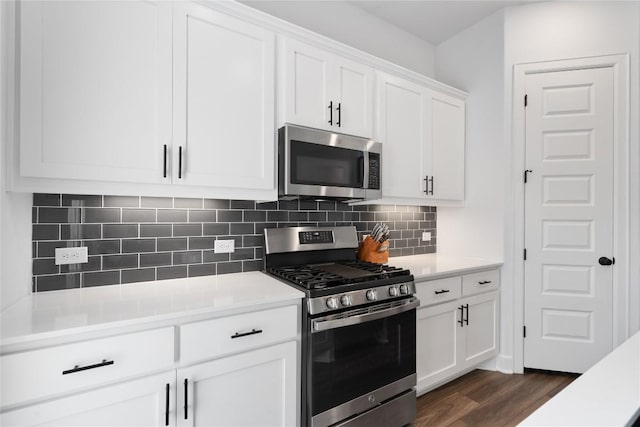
<point x="57" y="370"/>
<point x="216" y="337"/>
<point x="480" y="282"/>
<point x="437" y="291"/>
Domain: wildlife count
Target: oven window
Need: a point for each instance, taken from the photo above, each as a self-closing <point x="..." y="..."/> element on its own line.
<point x="314" y="164"/>
<point x="350" y="361"/>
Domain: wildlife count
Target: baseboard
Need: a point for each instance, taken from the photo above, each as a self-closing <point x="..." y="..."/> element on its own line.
<point x="504" y="364"/>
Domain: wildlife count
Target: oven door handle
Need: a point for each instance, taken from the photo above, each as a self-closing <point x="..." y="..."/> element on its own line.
<point x="323" y="325"/>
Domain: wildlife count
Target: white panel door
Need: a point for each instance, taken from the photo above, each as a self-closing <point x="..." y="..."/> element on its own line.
<point x="308" y="81"/>
<point x="354" y="93"/>
<point x="95" y="89"/>
<point x="252" y="389"/>
<point x="148" y="401"/>
<point x="224" y="133"/>
<point x="568" y="219"/>
<point x="403" y="135"/>
<point x="445" y="148"/>
<point x="437" y="343"/>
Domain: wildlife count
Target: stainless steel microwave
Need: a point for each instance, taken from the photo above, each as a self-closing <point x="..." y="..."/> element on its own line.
<point x="314" y="163"/>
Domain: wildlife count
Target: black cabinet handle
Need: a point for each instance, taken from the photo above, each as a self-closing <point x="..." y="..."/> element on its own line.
<point x="78" y="368"/>
<point x="461" y="321"/>
<point x="339" y="109"/>
<point x="166" y="407"/>
<point x="466" y="320"/>
<point x="186" y="398"/>
<point x="484" y="282"/>
<point x="180" y="162"/>
<point x="164" y="161"/>
<point x="443" y="291"/>
<point x="246" y="334"/>
<point x="331" y="113"/>
<point x="426" y="185"/>
<point x="432" y="186"/>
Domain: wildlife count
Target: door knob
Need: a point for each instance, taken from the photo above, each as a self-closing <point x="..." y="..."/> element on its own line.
<point x="606" y="261"/>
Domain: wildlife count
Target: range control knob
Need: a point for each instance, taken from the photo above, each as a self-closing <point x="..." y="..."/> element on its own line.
<point x="345" y="300"/>
<point x="393" y="291"/>
<point x="332" y="303"/>
<point x="372" y="295"/>
<point x="404" y="289"/>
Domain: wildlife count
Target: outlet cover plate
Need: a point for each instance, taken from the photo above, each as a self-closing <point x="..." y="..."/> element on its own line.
<point x="224" y="246"/>
<point x="426" y="236"/>
<point x="72" y="255"/>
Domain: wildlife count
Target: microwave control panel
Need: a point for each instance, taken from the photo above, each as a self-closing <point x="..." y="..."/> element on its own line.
<point x="374" y="171"/>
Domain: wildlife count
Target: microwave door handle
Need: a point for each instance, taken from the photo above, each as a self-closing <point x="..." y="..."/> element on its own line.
<point x="319" y="325"/>
<point x="365" y="170"/>
<point x="361" y="171"/>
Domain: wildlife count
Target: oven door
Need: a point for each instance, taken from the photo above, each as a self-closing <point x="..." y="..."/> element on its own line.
<point x="359" y="359"/>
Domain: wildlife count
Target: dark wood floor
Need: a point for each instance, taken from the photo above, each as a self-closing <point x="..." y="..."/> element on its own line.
<point x="486" y="398"/>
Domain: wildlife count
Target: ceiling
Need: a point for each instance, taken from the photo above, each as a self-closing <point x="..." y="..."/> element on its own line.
<point x="433" y="21"/>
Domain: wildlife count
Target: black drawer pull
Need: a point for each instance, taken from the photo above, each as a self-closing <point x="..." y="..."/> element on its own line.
<point x="245" y="334"/>
<point x="78" y="368"/>
<point x="444" y="291"/>
<point x="484" y="282"/>
<point x="461" y="321"/>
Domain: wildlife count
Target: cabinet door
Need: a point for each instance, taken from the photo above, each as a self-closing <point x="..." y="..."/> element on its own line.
<point x="256" y="388"/>
<point x="445" y="146"/>
<point x="402" y="131"/>
<point x="437" y="343"/>
<point x="481" y="332"/>
<point x="308" y="79"/>
<point x="148" y="401"/>
<point x="354" y="94"/>
<point x="95" y="89"/>
<point x="224" y="132"/>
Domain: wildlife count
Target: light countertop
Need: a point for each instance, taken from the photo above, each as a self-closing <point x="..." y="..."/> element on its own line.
<point x="59" y="314"/>
<point x="608" y="394"/>
<point x="433" y="266"/>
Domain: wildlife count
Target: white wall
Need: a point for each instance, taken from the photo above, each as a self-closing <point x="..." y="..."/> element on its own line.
<point x="563" y="30"/>
<point x="15" y="209"/>
<point x="473" y="60"/>
<point x="354" y="27"/>
<point x="480" y="60"/>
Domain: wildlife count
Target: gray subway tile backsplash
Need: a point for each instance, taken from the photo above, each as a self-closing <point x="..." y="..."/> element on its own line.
<point x="133" y="239"/>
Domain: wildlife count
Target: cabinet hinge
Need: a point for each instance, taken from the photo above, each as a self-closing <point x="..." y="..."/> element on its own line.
<point x="525" y="254"/>
<point x="524" y="331"/>
<point x="525" y="100"/>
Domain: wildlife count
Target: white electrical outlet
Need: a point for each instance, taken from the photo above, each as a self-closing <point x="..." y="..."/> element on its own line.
<point x="224" y="246"/>
<point x="426" y="236"/>
<point x="71" y="255"/>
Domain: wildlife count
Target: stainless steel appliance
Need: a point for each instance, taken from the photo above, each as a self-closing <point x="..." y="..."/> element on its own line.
<point x="320" y="164"/>
<point x="359" y="328"/>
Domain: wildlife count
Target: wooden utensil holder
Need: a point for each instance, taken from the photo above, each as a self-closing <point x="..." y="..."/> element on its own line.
<point x="372" y="251"/>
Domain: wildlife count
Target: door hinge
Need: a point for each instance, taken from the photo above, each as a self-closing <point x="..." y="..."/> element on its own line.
<point x="525" y="254"/>
<point x="525" y="100"/>
<point x="524" y="331"/>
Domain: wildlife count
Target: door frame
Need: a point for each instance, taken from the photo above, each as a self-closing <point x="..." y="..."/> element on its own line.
<point x="621" y="193"/>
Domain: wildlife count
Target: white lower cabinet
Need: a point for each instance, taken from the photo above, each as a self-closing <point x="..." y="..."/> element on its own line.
<point x="454" y="336"/>
<point x="256" y="388"/>
<point x="149" y="401"/>
<point x="239" y="370"/>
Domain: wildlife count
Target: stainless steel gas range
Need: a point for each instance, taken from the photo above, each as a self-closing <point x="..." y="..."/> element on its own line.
<point x="359" y="328"/>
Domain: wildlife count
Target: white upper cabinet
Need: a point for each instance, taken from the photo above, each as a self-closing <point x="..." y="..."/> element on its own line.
<point x="446" y="139"/>
<point x="224" y="71"/>
<point x="95" y="90"/>
<point x="423" y="136"/>
<point x="326" y="91"/>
